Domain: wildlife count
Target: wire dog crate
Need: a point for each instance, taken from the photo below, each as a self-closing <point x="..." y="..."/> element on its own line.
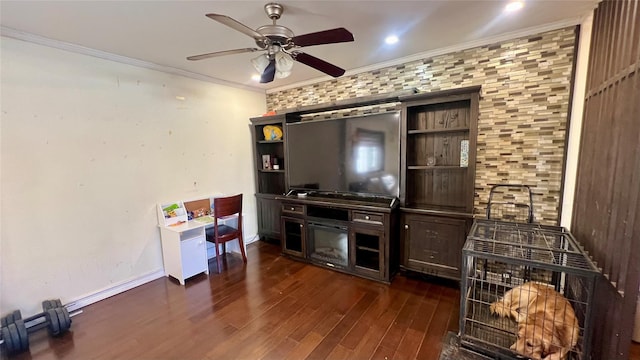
<point x="499" y="256"/>
<point x="509" y="202"/>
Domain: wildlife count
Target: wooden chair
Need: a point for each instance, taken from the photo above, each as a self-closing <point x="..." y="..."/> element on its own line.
<point x="220" y="233"/>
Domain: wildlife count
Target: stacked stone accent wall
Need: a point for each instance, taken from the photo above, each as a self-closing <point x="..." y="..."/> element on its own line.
<point x="524" y="103"/>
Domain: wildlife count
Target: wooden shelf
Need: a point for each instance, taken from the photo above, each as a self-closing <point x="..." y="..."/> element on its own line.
<point x="430" y="209"/>
<point x="367" y="249"/>
<point x="437" y="167"/>
<point x="350" y="103"/>
<point x="269" y="183"/>
<point x="437" y="200"/>
<point x="437" y="131"/>
<point x="281" y="171"/>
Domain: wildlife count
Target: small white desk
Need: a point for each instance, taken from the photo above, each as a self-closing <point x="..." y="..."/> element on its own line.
<point x="184" y="242"/>
<point x="184" y="249"/>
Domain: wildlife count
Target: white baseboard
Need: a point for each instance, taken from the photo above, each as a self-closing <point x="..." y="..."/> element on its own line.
<point x="113" y="290"/>
<point x="129" y="284"/>
<point x="233" y="246"/>
<point x="251" y="239"/>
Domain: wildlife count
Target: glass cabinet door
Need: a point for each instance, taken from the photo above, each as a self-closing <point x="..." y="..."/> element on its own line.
<point x="293" y="236"/>
<point x="367" y="251"/>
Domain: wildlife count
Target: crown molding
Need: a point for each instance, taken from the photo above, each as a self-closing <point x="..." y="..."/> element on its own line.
<point x="41" y="40"/>
<point x="441" y="51"/>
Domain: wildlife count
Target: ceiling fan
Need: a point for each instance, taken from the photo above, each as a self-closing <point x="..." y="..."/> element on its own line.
<point x="281" y="46"/>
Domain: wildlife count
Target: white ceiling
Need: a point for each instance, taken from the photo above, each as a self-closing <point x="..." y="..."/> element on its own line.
<point x="165" y="32"/>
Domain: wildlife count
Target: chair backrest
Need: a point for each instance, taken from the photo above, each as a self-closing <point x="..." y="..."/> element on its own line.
<point x="227" y="206"/>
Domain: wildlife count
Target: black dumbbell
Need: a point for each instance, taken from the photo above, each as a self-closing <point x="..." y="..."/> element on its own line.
<point x="51" y="304"/>
<point x="55" y="318"/>
<point x="11" y="318"/>
<point x="15" y="337"/>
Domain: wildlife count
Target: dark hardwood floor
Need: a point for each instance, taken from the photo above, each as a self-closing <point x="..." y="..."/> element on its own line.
<point x="272" y="308"/>
<point x="635" y="351"/>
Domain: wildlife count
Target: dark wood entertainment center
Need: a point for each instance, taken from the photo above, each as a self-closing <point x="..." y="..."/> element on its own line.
<point x="365" y="223"/>
<point x="423" y="230"/>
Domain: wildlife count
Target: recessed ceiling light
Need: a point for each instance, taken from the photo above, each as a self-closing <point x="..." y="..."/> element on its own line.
<point x="255" y="77"/>
<point x="514" y="6"/>
<point x="391" y="39"/>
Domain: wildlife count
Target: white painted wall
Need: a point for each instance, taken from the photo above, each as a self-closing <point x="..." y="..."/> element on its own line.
<point x="575" y="130"/>
<point x="88" y="148"/>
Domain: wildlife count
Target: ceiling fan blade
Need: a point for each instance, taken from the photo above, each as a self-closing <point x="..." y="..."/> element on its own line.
<point x="323" y="37"/>
<point x="318" y="64"/>
<point x="221" y="53"/>
<point x="269" y="73"/>
<point x="236" y="25"/>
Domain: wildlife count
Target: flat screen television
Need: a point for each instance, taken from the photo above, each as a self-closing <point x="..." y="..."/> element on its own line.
<point x="348" y="155"/>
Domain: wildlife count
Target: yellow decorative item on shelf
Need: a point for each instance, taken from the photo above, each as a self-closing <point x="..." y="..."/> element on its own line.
<point x="272" y="132"/>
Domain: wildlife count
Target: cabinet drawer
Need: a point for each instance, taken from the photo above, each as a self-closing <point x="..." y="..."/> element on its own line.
<point x="371" y="218"/>
<point x="293" y="209"/>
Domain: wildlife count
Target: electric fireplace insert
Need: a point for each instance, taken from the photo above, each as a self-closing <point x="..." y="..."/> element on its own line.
<point x="329" y="244"/>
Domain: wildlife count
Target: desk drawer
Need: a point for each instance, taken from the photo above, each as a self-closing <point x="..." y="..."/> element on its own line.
<point x="370" y="218"/>
<point x="293" y="209"/>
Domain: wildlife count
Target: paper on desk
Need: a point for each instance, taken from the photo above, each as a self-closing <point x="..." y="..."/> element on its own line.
<point x="204" y="219"/>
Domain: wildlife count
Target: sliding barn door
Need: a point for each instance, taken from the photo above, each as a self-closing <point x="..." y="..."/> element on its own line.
<point x="607" y="204"/>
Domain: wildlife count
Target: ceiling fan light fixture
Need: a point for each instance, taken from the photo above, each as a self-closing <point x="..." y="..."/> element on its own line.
<point x="282" y="74"/>
<point x="260" y="63"/>
<point x="280" y="46"/>
<point x="284" y="64"/>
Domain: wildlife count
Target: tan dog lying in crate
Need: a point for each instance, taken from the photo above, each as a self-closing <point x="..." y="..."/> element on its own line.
<point x="547" y="325"/>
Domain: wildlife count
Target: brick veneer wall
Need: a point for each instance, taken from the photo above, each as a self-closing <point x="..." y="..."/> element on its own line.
<point x="524" y="102"/>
